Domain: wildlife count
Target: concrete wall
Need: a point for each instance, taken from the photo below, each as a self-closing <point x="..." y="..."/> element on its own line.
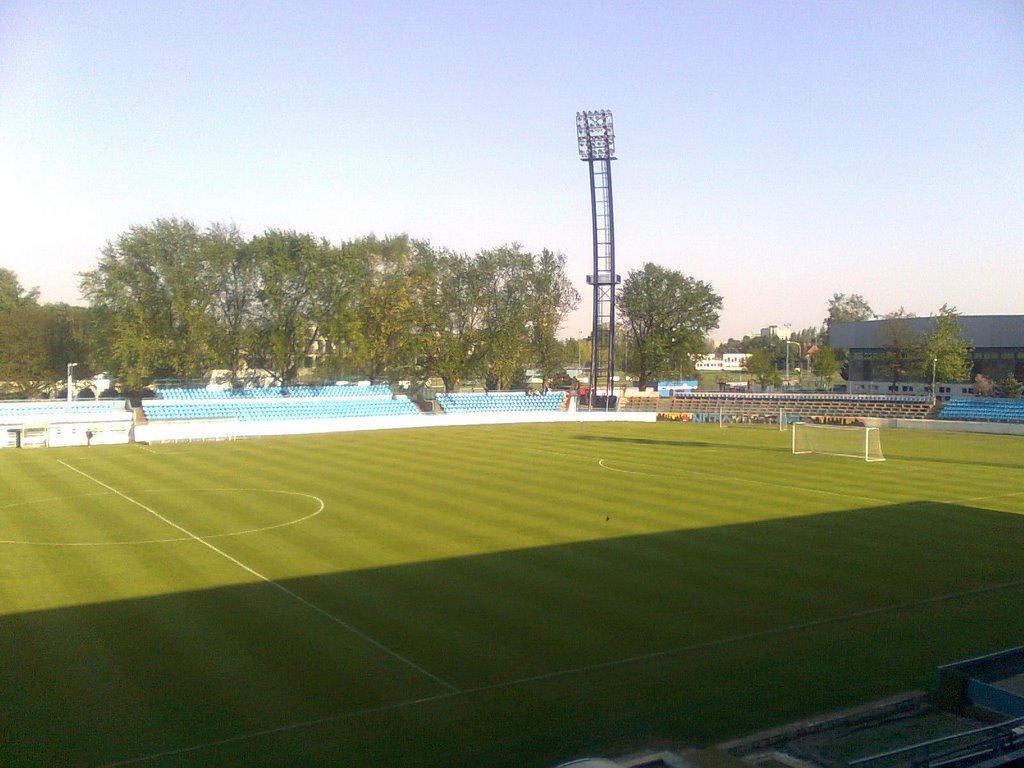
<point x="937" y="425"/>
<point x="184" y="431"/>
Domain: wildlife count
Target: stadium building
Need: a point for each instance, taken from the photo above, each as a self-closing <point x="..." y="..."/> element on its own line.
<point x="997" y="343"/>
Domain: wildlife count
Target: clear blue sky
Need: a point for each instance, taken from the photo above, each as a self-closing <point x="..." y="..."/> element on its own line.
<point x="782" y="151"/>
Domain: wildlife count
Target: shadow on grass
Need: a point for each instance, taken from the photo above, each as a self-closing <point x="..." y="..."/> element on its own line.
<point x="647" y="441"/>
<point x="515" y="658"/>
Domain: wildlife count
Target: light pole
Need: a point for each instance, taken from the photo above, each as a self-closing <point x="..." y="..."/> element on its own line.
<point x="787" y="360"/>
<point x="595" y="138"/>
<point x="71" y="379"/>
<point x="935" y="361"/>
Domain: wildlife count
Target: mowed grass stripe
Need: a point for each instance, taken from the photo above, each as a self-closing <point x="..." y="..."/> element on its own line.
<point x="324" y="614"/>
<point x="484" y="554"/>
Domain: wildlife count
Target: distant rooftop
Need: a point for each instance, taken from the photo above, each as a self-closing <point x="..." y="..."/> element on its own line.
<point x="982" y="331"/>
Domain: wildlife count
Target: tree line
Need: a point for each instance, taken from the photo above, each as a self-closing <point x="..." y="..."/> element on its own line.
<point x="171" y="300"/>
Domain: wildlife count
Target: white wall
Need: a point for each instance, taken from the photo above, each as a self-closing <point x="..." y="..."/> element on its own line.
<point x="155" y="432"/>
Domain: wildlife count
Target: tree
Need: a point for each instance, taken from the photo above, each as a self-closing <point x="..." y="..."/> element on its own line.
<point x="902" y="355"/>
<point x="826" y="366"/>
<point x="1009" y="386"/>
<point x="23" y="340"/>
<point x="551" y="298"/>
<point x="946" y="348"/>
<point x="153" y="288"/>
<point x="983" y="385"/>
<point x="451" y="316"/>
<point x="233" y="307"/>
<point x="381" y="309"/>
<point x="847" y="309"/>
<point x="12" y="293"/>
<point x="761" y="366"/>
<point x="37" y="341"/>
<point x="288" y="266"/>
<point x="504" y="275"/>
<point x="667" y="316"/>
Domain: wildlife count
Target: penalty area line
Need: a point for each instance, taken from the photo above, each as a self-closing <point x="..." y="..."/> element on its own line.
<point x="271" y="582"/>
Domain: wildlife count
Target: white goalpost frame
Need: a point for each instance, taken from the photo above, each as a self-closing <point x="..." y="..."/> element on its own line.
<point x="864" y="446"/>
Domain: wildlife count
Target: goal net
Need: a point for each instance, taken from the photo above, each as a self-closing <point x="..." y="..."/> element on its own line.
<point x="856" y="442"/>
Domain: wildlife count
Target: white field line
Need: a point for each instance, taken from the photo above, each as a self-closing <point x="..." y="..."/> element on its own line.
<point x="749" y="481"/>
<point x="267" y="580"/>
<point x="320" y="508"/>
<point x="639" y="658"/>
<point x="990" y="497"/>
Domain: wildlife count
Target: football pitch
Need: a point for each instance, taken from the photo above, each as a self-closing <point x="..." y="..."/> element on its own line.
<point x="485" y="596"/>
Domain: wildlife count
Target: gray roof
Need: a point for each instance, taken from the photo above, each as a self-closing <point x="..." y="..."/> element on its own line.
<point x="981" y="331"/>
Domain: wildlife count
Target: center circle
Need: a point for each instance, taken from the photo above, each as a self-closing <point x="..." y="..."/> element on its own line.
<point x="86" y="521"/>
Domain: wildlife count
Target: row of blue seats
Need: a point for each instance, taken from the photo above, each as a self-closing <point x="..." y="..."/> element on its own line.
<point x="983" y="409"/>
<point x="500" y="402"/>
<point x="57" y="407"/>
<point x="331" y="390"/>
<point x="783" y="397"/>
<point x="256" y="410"/>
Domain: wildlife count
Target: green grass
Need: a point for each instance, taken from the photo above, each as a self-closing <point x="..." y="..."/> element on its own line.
<point x="511" y="596"/>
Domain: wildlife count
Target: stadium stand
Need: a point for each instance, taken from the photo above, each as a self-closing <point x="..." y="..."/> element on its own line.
<point x="984" y="409"/>
<point x="20" y="411"/>
<point x="767" y="406"/>
<point x="275" y="404"/>
<point x="25" y="423"/>
<point x="491" y="402"/>
<point x="332" y="390"/>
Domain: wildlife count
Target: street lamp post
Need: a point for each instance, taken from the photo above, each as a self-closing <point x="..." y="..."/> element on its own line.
<point x="71" y="379"/>
<point x="787" y="360"/>
<point x="935" y="362"/>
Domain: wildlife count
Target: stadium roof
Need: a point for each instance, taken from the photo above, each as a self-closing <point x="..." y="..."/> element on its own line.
<point x="982" y="331"/>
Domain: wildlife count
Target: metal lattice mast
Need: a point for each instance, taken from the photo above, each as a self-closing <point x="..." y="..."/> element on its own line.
<point x="596" y="140"/>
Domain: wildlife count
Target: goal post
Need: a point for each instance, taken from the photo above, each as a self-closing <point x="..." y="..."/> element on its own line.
<point x="856" y="442"/>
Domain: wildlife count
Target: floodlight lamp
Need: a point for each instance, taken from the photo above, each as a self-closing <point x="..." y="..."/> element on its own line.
<point x="595" y="135"/>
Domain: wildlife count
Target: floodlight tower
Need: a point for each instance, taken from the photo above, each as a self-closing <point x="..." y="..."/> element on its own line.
<point x="597" y="149"/>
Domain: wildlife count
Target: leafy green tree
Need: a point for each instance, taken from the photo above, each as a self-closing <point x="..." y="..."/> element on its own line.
<point x="551" y="298"/>
<point x="452" y="317"/>
<point x="378" y="309"/>
<point x="12" y="293"/>
<point x="23" y="340"/>
<point x="154" y="287"/>
<point x="946" y="347"/>
<point x="761" y="367"/>
<point x="666" y="317"/>
<point x="504" y="275"/>
<point x="23" y="337"/>
<point x="826" y="366"/>
<point x="903" y="352"/>
<point x="851" y="308"/>
<point x="288" y="266"/>
<point x="1009" y="386"/>
<point x="234" y="305"/>
<point x="843" y="308"/>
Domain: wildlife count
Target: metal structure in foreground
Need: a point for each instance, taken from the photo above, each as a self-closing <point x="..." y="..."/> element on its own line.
<point x="596" y="140"/>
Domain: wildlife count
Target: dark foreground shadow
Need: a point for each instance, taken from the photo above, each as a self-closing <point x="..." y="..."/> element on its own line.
<point x="517" y="658"/>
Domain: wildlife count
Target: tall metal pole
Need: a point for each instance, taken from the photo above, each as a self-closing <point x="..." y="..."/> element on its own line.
<point x="596" y="141"/>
